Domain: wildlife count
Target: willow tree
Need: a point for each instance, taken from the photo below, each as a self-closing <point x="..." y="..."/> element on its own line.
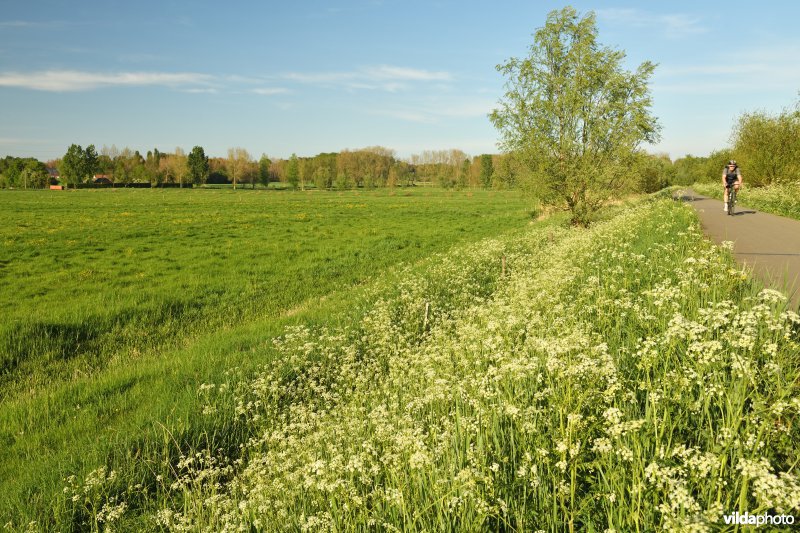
<point x="768" y="146"/>
<point x="573" y="115"/>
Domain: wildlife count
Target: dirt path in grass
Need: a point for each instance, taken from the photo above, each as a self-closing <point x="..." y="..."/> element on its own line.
<point x="768" y="243"/>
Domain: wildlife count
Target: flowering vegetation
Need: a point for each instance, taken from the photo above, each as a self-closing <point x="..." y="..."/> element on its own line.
<point x="622" y="378"/>
<point x="781" y="199"/>
<point x="116" y="305"/>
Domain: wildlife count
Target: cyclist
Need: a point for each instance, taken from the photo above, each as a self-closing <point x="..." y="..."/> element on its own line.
<point x="731" y="177"/>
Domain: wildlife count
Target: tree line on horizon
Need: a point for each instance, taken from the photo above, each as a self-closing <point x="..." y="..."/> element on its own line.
<point x="370" y="167"/>
<point x="766" y="146"/>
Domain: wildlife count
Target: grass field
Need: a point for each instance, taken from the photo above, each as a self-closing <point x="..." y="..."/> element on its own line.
<point x="95" y="277"/>
<point x="118" y="304"/>
<point x="607" y="379"/>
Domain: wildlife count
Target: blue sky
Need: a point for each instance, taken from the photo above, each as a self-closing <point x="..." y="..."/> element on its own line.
<point x="313" y="76"/>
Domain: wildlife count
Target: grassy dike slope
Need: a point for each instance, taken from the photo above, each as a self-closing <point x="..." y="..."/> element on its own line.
<point x="627" y="377"/>
<point x="118" y="305"/>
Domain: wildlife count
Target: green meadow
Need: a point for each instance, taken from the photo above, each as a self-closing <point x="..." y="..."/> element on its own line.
<point x="117" y="304"/>
<point x="97" y="278"/>
<point x="278" y="362"/>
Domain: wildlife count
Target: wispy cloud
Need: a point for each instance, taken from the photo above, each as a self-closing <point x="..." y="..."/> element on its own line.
<point x="269" y="91"/>
<point x="468" y="109"/>
<point x="34" y="24"/>
<point x="388" y="86"/>
<point x="408" y="115"/>
<point x="139" y="57"/>
<point x="319" y="77"/>
<point x="755" y="70"/>
<point x="704" y="87"/>
<point x="201" y="90"/>
<point x="16" y="24"/>
<point x="12" y="141"/>
<point x="408" y="74"/>
<point x="246" y="80"/>
<point x="780" y="51"/>
<point x="383" y="77"/>
<point x="187" y="82"/>
<point x="74" y="80"/>
<point x="430" y="113"/>
<point x="671" y="24"/>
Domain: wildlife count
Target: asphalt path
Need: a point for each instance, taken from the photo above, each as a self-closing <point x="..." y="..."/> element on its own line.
<point x="768" y="243"/>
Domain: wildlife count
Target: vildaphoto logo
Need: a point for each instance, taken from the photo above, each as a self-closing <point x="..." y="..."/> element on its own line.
<point x="747" y="519"/>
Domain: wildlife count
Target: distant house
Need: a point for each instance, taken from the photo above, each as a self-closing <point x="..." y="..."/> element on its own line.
<point x="101" y="179"/>
<point x="54" y="176"/>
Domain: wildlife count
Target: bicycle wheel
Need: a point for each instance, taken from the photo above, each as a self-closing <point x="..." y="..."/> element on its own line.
<point x="731" y="201"/>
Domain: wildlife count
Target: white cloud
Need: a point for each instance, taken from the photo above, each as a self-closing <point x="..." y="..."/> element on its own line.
<point x="247" y="80"/>
<point x="141" y="58"/>
<point x="319" y="77"/>
<point x="201" y="90"/>
<point x="16" y="24"/>
<point x="35" y="24"/>
<point x="743" y="71"/>
<point x="785" y="52"/>
<point x="73" y="80"/>
<point x="410" y="74"/>
<point x="420" y="117"/>
<point x="467" y="109"/>
<point x="383" y="77"/>
<point x="430" y="114"/>
<point x="696" y="87"/>
<point x="269" y="91"/>
<point x="671" y="24"/>
<point x="11" y="140"/>
<point x="388" y="86"/>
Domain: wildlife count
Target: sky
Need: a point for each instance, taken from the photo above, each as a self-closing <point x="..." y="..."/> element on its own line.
<point x="306" y="77"/>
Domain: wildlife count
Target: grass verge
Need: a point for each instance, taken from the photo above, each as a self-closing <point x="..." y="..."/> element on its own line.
<point x="783" y="200"/>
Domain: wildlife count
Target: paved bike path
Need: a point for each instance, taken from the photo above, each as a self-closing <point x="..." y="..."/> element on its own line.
<point x="768" y="243"/>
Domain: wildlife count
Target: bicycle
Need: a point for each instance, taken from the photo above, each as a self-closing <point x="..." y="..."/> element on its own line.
<point x="731" y="200"/>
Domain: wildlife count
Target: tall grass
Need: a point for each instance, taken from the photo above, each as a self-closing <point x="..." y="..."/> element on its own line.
<point x="623" y="378"/>
<point x="96" y="276"/>
<point x="117" y="305"/>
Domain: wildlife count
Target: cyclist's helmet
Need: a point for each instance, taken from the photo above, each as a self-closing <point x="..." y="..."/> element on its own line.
<point x="732" y="162"/>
